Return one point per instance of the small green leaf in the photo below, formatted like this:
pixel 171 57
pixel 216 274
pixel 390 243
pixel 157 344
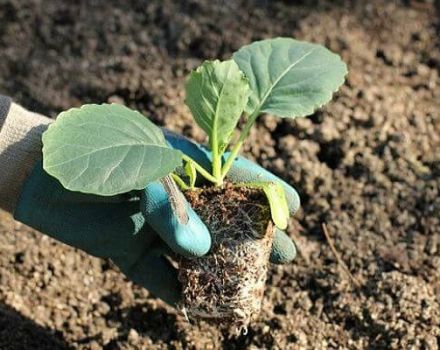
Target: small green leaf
pixel 289 78
pixel 217 93
pixel 190 171
pixel 106 150
pixel 276 197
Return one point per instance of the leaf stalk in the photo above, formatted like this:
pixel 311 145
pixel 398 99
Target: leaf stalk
pixel 179 181
pixel 236 149
pixel 216 160
pixel 200 169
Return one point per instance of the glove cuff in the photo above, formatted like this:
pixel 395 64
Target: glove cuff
pixel 20 148
pixel 5 103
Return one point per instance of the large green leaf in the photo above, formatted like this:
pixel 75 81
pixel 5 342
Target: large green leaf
pixel 217 93
pixel 289 78
pixel 106 150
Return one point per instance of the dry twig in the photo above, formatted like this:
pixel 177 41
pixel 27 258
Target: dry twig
pixel 338 257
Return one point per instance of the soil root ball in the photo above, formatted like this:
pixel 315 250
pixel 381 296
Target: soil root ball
pixel 227 285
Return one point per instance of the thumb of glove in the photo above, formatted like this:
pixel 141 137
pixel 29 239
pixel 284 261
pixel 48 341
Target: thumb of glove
pixel 191 239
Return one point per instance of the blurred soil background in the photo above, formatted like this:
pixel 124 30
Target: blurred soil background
pixel 368 165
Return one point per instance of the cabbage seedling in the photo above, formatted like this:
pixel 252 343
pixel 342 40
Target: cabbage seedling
pixel 109 149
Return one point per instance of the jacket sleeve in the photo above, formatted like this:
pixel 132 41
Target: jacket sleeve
pixel 20 148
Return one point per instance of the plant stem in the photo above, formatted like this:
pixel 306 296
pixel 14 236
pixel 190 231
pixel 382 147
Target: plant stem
pixel 200 169
pixel 180 182
pixel 216 160
pixel 244 133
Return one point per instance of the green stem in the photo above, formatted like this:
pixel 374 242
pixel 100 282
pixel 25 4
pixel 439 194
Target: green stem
pixel 244 133
pixel 180 182
pixel 200 169
pixel 216 160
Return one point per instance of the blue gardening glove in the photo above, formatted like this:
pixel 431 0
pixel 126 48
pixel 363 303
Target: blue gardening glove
pixel 135 240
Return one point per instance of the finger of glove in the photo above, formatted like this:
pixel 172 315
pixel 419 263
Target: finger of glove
pixel 197 152
pixel 283 248
pixel 191 239
pixel 153 272
pixel 244 170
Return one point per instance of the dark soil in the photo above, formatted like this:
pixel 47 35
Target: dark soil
pixel 226 286
pixel 368 165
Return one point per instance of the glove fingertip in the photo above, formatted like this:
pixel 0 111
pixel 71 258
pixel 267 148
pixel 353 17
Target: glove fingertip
pixel 192 239
pixel 283 249
pixel 292 196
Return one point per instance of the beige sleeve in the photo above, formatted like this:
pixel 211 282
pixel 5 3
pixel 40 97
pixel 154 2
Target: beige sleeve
pixel 20 148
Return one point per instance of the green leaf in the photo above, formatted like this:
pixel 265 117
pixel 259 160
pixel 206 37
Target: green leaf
pixel 217 93
pixel 289 78
pixel 276 197
pixel 106 150
pixel 190 171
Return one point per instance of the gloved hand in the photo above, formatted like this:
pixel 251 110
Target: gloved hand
pixel 134 230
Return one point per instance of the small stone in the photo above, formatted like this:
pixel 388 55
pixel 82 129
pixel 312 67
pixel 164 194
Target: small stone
pixel 116 99
pixel 133 336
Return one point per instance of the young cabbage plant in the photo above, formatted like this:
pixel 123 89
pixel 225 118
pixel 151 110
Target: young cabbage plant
pixel 109 149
